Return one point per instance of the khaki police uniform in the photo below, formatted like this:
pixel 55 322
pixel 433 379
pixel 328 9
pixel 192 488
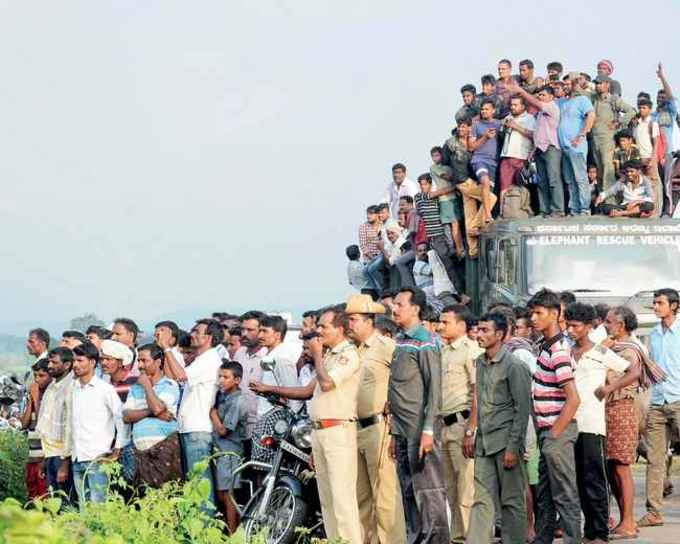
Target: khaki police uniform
pixel 378 492
pixel 334 447
pixel 458 378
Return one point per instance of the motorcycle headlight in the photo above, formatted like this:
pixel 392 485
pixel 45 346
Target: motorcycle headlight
pixel 302 434
pixel 280 427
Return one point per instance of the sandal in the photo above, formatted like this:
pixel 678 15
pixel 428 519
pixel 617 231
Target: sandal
pixel 623 536
pixel 650 520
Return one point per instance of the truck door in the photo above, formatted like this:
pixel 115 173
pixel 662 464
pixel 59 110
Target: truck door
pixel 502 273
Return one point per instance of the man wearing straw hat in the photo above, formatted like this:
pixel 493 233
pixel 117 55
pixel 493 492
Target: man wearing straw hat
pixel 378 493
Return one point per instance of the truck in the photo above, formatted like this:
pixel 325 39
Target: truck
pixel 616 261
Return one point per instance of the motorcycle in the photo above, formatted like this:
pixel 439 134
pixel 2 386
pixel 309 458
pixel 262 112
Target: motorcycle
pixel 288 497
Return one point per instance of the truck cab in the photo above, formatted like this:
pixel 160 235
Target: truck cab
pixel 599 259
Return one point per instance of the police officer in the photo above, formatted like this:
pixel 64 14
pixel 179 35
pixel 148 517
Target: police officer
pixel 459 414
pixel 380 507
pixel 333 411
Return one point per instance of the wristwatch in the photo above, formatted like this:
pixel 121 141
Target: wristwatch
pixel 470 432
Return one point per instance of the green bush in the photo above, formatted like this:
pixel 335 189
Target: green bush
pixel 13 457
pixel 167 515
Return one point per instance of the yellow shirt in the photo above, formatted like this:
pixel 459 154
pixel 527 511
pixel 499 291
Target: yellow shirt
pixel 342 364
pixel 458 374
pixel 376 357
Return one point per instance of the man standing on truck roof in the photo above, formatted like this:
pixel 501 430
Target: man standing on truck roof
pixel 611 114
pixel 555 402
pixel 666 115
pixel 548 152
pixel 665 404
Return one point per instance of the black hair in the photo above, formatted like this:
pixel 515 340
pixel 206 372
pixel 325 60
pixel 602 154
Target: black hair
pixel 437 149
pixel 425 177
pixel 174 329
pixel 601 311
pixel 154 350
pixel 386 326
pixel 213 328
pixel 505 61
pixel 644 102
pixel 252 314
pixel 73 334
pixel 340 319
pixel 520 98
pixel 87 349
pixel 101 332
pixel 42 335
pixel 235 330
pixel 429 314
pixel 522 312
pixel 672 296
pixel 183 339
pixel 309 335
pixel 40 365
pixel 418 298
pixel 65 354
pixel 276 323
pixel 623 133
pixel 372 209
pixel 487 101
pixel 528 63
pixel 499 320
pixel 353 252
pixel 398 166
pixel 636 164
pixel 232 366
pixel 472 322
pixel 388 293
pixel 382 206
pixel 468 88
pixel 465 120
pixel 129 326
pixel 547 299
pixel 408 198
pixel 488 79
pixel 509 314
pixel 644 95
pixel 557 66
pixel 579 311
pixel 627 316
pixel 567 297
pixel 547 89
pixel 461 311
pixel 313 314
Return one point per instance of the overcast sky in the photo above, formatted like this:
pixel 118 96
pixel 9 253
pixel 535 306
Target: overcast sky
pixel 173 158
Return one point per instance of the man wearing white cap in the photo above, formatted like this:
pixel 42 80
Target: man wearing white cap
pixel 116 360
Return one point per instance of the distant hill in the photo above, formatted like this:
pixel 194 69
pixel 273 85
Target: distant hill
pixel 13 355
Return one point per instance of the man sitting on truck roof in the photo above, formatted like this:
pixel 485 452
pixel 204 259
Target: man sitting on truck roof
pixel 638 195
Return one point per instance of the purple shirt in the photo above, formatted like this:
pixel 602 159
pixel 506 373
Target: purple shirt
pixel 547 122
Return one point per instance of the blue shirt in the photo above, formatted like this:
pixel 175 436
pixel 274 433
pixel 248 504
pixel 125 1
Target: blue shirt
pixel 573 112
pixel 149 431
pixel 489 149
pixel 666 119
pixel 665 351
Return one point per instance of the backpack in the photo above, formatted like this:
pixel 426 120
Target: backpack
pixel 516 203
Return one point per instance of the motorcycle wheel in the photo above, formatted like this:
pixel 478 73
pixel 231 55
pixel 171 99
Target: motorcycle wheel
pixel 286 512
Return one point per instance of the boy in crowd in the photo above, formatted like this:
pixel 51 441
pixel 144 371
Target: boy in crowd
pixel 36 484
pixel 484 144
pixel 646 133
pixel 555 401
pixel 355 270
pixel 428 210
pixel 626 150
pixel 229 416
pixel 593 184
pixel 470 107
pixel 442 176
pixel 637 191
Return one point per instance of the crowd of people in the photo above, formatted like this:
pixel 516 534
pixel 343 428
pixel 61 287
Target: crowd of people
pixel 525 146
pixel 521 421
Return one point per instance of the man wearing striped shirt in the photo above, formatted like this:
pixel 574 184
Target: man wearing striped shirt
pixel 428 211
pixel 555 402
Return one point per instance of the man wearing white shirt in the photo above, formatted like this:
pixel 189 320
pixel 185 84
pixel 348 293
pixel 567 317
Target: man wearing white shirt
pixel 37 343
pixel 97 429
pixel 400 186
pixel 249 356
pixel 272 333
pixel 200 388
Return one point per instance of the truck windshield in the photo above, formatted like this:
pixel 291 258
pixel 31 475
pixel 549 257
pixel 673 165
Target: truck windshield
pixel 616 265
